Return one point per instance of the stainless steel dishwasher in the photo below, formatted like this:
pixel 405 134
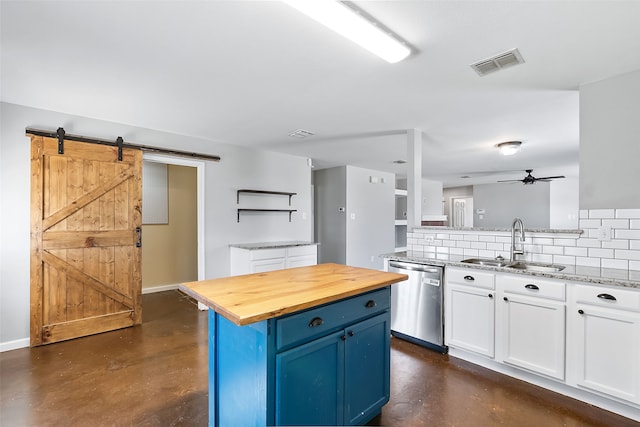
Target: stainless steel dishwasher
pixel 416 304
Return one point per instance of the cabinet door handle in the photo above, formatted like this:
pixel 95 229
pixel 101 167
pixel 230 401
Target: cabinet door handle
pixel 343 337
pixel 490 295
pixel 469 278
pixel 580 311
pixel 370 304
pixel 506 299
pixel 607 297
pixel 316 321
pixel 350 333
pixel 532 287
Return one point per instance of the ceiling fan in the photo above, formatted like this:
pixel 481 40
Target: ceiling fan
pixel 530 179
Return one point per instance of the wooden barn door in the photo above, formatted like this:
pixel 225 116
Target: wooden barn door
pixel 85 225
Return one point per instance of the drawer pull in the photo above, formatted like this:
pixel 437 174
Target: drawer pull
pixel 607 297
pixel 316 321
pixel 532 287
pixel 370 304
pixel 469 278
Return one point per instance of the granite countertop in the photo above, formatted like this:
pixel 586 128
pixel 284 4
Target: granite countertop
pixel 255 297
pixel 271 245
pixel 595 275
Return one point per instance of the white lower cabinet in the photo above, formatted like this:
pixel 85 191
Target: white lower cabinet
pixel 531 324
pixel 604 349
pixel 470 310
pixel 260 260
pixel 580 336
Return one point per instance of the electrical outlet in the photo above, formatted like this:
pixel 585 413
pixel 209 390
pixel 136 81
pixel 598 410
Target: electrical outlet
pixel 604 233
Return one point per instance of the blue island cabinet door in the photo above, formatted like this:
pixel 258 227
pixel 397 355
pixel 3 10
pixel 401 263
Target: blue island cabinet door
pixel 367 369
pixel 309 383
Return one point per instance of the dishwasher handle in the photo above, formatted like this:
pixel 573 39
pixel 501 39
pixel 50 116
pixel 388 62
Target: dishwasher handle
pixel 415 267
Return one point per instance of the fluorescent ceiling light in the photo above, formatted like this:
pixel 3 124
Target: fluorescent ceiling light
pixel 347 22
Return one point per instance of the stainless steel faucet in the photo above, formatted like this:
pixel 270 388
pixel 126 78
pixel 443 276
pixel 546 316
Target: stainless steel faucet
pixel 514 251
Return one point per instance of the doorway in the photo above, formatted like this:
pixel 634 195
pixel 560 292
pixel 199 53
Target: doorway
pixel 163 237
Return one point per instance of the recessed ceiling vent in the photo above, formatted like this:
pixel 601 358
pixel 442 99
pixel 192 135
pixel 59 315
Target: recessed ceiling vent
pixel 498 62
pixel 301 133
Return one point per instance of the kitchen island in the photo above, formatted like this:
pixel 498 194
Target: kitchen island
pixel 301 346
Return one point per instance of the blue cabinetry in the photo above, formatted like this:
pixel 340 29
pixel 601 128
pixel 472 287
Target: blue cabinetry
pixel 328 365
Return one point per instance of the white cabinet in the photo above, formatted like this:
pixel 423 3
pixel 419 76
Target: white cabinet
pixel 604 349
pixel 470 310
pixel 531 324
pixel 260 260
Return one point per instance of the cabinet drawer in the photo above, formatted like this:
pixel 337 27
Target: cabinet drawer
pixel 608 297
pixel 268 254
pixel 301 250
pixel 309 324
pixel 532 286
pixel 471 277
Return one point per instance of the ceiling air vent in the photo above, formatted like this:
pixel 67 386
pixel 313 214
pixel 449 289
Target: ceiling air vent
pixel 498 62
pixel 301 133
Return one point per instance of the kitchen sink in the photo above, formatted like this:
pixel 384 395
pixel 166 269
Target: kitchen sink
pixel 535 266
pixel 518 265
pixel 486 261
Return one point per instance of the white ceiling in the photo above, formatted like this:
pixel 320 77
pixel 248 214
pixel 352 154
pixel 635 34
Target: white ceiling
pixel 249 73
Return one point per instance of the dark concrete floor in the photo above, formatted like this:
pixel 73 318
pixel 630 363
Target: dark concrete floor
pixel 156 375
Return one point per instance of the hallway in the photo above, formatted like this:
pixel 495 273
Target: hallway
pixel 156 375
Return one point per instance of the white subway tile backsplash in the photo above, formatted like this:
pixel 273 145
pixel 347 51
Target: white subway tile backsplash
pixel 616 244
pixel 576 251
pixel 564 260
pixel 615 263
pixel 602 213
pixel 553 250
pixel 564 242
pixel 628 213
pixel 630 255
pixel 616 223
pixel 600 253
pixel 588 243
pixel 588 262
pixel 622 251
pixel 627 234
pixel 590 223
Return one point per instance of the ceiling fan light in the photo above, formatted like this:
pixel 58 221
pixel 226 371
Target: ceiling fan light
pixel 509 148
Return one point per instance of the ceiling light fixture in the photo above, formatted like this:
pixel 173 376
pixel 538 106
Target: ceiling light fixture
pixel 347 22
pixel 509 148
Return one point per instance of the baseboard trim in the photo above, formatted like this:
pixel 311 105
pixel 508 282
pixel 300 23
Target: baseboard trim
pixel 14 345
pixel 161 288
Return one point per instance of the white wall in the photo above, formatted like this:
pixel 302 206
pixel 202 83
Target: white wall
pixel 564 203
pixel 610 143
pixel 370 217
pixel 239 168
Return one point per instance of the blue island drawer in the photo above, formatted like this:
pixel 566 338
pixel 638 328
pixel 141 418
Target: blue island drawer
pixel 307 325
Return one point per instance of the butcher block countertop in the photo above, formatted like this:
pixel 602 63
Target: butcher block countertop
pixel 252 298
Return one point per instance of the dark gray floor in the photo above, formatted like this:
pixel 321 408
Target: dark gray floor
pixel 156 375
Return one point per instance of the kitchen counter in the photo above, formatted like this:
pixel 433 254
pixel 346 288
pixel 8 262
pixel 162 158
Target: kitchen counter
pixel 603 276
pixel 299 346
pixel 271 245
pixel 252 298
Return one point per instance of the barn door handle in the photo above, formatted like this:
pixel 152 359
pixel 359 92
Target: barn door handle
pixel 139 239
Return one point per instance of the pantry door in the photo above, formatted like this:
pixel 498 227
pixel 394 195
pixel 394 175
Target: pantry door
pixel 85 239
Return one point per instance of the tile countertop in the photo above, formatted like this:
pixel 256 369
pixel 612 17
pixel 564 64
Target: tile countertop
pixel 595 275
pixel 270 245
